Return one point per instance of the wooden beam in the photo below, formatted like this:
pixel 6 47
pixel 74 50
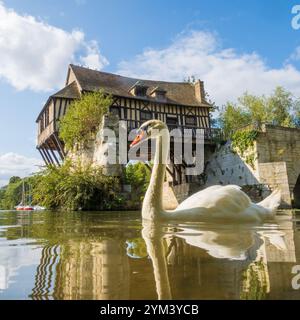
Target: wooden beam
pixel 148 167
pixel 60 145
pixel 45 155
pixel 49 155
pixel 53 154
pixel 58 148
pixel 170 172
pixel 44 158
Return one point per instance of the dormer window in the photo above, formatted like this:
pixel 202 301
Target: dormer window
pixel 158 93
pixel 139 89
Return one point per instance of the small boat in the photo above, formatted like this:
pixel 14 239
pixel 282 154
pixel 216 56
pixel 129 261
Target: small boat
pixel 22 206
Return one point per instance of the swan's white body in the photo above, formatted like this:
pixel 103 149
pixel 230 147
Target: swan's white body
pixel 216 202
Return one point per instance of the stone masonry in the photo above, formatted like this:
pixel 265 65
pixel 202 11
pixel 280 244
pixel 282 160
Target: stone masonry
pixel 276 165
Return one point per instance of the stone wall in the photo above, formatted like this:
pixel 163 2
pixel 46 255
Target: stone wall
pixel 274 175
pixel 278 144
pixel 95 151
pixel 277 164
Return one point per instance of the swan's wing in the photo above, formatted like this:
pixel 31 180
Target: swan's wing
pixel 223 199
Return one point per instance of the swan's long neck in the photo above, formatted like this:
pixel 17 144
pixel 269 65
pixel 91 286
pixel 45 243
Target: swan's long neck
pixel 152 205
pixel 153 237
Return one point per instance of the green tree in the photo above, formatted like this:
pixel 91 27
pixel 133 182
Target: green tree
pixel 233 117
pixel 280 108
pixel 83 118
pixel 2 194
pixel 14 179
pixel 11 195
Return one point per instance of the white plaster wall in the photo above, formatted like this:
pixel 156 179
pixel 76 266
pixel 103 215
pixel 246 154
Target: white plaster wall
pixel 226 167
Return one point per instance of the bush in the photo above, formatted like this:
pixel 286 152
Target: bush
pixel 138 176
pixel 77 187
pixel 83 119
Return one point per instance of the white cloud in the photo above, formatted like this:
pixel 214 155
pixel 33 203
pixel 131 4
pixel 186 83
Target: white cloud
pixel 12 164
pixel 226 73
pixel 34 55
pixel 295 55
pixel 93 59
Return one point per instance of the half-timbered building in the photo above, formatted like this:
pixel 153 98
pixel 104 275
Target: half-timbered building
pixel 179 104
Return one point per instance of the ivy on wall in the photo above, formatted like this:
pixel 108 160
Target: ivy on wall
pixel 242 142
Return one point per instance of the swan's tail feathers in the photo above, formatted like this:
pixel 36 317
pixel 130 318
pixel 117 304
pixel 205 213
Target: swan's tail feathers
pixel 272 202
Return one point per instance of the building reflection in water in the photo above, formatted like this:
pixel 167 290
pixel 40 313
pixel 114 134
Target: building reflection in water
pixel 46 271
pixel 83 270
pixel 178 262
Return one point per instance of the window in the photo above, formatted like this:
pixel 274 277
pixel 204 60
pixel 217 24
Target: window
pixel 160 95
pixel 172 121
pixel 141 91
pixel 190 120
pixel 145 115
pixel 115 111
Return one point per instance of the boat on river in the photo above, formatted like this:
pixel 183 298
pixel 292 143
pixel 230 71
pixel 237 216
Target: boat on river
pixel 27 207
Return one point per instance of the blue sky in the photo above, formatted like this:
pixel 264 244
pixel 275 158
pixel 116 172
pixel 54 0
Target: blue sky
pixel 232 45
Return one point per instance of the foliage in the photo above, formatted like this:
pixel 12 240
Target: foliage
pixel 11 195
pixel 280 108
pixel 242 142
pixel 138 176
pixel 14 179
pixel 2 195
pixel 232 118
pixel 77 187
pixel 82 120
pixel 255 282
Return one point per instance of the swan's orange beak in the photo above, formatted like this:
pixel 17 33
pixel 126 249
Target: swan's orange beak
pixel 137 139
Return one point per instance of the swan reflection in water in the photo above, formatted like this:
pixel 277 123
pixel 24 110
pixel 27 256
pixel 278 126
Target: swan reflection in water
pixel 247 246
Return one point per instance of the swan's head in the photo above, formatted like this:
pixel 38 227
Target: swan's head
pixel 149 129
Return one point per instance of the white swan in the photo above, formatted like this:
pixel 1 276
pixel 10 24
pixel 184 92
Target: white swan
pixel 216 202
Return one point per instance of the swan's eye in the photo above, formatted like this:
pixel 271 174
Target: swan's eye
pixel 145 129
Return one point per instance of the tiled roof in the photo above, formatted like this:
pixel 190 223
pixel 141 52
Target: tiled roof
pixel 182 93
pixel 70 91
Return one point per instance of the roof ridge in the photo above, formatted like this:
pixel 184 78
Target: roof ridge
pixel 181 93
pixel 131 78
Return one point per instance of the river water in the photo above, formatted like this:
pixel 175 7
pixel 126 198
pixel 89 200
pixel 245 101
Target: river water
pixel 113 255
